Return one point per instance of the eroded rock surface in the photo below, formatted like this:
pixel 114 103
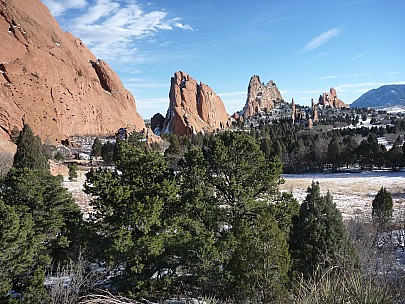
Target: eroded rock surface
pixel 193 107
pixel 331 99
pixel 260 97
pixel 51 80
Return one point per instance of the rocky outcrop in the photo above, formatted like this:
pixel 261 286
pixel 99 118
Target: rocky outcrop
pixel 331 99
pixel 260 97
pixel 193 107
pixel 156 123
pixel 50 79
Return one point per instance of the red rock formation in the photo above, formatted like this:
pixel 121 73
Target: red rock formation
pixel 315 113
pixel 193 107
pixel 52 81
pixel 293 110
pixel 260 97
pixel 331 99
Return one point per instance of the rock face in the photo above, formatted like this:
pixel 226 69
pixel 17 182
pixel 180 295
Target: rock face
pixel 193 108
pixel 331 99
pixel 50 79
pixel 260 97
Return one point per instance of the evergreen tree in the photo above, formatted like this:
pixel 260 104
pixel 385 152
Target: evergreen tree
pixel 261 261
pixel 382 207
pixel 72 171
pixel 245 184
pixel 334 151
pixel 30 153
pixel 133 209
pixel 197 222
pixel 318 233
pixel 96 147
pixel 107 152
pixel 395 156
pixel 19 248
pixel 173 153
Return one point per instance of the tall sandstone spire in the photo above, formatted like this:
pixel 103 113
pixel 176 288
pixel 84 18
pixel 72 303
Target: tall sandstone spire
pixel 51 80
pixel 193 107
pixel 260 97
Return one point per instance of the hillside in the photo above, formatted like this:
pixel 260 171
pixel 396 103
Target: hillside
pixel 51 80
pixel 383 97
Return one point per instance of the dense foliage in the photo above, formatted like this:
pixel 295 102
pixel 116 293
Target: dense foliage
pixel 204 218
pixel 30 153
pixel 382 207
pixel 318 233
pixel 39 222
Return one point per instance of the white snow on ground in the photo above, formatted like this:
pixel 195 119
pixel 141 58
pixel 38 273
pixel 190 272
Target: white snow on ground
pixel 353 193
pixel 76 188
pixel 395 109
pixel 384 141
pixel 366 124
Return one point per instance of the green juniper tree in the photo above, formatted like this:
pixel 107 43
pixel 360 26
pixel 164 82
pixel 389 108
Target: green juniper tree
pixel 19 248
pixel 245 184
pixel 43 215
pixel 96 147
pixel 133 209
pixel 72 171
pixel 382 207
pixel 30 152
pixel 318 233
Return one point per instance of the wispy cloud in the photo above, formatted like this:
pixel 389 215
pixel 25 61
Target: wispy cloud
pixel 363 86
pixel 329 77
pixel 111 28
pixel 344 76
pixel 183 26
pixel 358 56
pixel 323 38
pixel 59 7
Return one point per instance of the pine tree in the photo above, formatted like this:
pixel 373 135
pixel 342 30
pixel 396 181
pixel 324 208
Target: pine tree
pixel 30 153
pixel 18 245
pixel 245 184
pixel 382 207
pixel 334 151
pixel 72 171
pixel 261 261
pixel 96 147
pixel 132 209
pixel 318 233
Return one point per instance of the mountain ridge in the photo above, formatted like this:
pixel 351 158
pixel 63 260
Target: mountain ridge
pixel 385 96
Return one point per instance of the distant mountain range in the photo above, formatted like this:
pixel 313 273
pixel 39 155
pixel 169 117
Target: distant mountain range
pixel 384 97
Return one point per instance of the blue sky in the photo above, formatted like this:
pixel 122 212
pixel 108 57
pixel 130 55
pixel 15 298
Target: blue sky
pixel 306 47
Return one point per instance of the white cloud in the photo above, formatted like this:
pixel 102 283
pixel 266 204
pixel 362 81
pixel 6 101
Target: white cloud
pixel 183 26
pixel 110 28
pixel 358 56
pixel 344 76
pixel 323 38
pixel 329 77
pixel 363 86
pixel 59 7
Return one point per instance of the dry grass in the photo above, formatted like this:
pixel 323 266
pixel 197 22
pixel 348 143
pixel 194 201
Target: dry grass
pixel 352 193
